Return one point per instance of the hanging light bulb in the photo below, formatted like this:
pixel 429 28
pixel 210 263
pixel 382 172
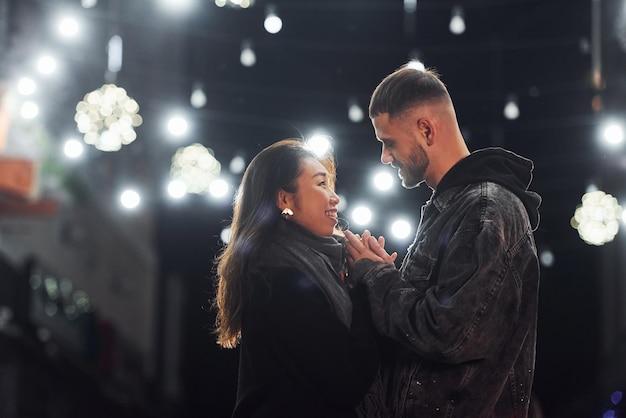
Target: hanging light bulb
pixel 114 64
pixel 416 65
pixel 247 57
pixel 355 112
pixel 613 133
pixel 457 22
pixel 198 98
pixel 511 109
pixel 273 24
pixel 410 6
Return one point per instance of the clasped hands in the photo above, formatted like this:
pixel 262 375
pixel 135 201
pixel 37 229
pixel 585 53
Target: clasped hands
pixel 367 246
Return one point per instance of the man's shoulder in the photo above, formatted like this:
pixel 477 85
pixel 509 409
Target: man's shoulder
pixel 479 193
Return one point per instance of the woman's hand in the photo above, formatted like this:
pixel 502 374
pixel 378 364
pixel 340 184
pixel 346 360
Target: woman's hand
pixel 366 246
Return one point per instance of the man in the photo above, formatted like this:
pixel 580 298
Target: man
pixel 462 309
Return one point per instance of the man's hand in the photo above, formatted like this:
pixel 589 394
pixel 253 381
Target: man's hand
pixel 367 247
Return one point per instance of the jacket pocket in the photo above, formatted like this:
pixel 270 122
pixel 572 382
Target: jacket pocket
pixel 418 270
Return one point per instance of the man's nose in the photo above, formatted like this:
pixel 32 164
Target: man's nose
pixel 386 157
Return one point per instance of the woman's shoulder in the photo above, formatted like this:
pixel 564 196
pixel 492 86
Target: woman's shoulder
pixel 275 283
pixel 286 277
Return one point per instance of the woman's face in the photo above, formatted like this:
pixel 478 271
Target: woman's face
pixel 314 204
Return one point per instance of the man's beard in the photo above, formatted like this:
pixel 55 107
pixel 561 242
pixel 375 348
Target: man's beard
pixel 415 168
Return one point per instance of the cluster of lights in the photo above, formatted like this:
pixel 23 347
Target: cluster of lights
pixel 597 218
pixel 194 168
pixel 244 4
pixel 60 296
pixel 107 117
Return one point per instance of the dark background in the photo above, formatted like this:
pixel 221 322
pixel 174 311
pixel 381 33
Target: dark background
pixel 333 51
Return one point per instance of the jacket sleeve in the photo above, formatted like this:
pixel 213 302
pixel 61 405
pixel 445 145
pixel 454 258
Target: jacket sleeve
pixel 314 344
pixel 473 306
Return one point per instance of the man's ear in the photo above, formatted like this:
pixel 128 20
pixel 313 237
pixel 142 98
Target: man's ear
pixel 426 128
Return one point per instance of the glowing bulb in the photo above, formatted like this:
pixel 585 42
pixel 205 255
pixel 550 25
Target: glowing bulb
pixel 247 57
pixel 29 110
pixel 273 24
pixel 46 65
pixel 130 199
pixel 177 126
pixel 218 188
pixel 319 144
pixel 198 98
pixel 613 134
pixel 546 257
pixel 355 113
pixel 361 215
pixel 176 189
pixel 225 235
pixel 26 86
pixel 237 165
pixel 511 110
pixel 401 229
pixel 73 148
pixel 68 27
pixel 416 65
pixel 383 180
pixel 457 23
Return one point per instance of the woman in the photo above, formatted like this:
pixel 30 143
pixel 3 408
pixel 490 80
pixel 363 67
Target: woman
pixel 307 345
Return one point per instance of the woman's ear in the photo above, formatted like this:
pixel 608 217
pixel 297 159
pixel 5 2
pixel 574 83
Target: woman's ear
pixel 282 200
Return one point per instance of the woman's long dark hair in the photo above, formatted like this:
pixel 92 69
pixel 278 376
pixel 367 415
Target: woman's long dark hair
pixel 255 215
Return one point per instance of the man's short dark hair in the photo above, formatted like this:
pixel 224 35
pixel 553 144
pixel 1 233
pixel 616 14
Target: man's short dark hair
pixel 406 88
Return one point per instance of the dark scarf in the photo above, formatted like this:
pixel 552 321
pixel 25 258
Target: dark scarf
pixel 321 258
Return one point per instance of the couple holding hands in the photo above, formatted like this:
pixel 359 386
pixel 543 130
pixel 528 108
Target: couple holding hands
pixel 330 327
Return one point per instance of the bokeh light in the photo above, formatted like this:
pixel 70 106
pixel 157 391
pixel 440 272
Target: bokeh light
pixel 108 117
pixel 362 215
pixel 597 217
pixel 401 229
pixel 73 148
pixel 130 199
pixel 319 144
pixel 196 167
pixel 383 180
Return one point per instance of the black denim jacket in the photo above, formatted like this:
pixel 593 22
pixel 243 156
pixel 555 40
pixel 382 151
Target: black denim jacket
pixel 463 307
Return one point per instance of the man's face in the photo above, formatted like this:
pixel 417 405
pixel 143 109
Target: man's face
pixel 401 148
